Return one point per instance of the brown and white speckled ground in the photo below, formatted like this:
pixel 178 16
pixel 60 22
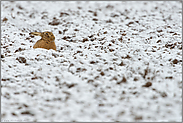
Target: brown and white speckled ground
pixel 115 61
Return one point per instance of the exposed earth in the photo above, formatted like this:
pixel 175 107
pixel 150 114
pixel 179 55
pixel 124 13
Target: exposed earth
pixel 114 61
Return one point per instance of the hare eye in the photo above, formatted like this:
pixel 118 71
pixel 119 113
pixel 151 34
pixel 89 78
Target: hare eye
pixel 46 33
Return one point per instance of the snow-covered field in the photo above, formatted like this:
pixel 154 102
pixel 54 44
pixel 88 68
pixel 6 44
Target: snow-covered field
pixel 115 61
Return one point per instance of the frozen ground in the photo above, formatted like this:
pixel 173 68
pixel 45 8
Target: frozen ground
pixel 115 61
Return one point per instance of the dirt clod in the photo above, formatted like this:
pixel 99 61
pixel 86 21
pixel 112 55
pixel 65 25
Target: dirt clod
pixel 148 84
pixel 21 59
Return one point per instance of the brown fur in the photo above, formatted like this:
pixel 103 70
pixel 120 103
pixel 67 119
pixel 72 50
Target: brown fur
pixel 46 41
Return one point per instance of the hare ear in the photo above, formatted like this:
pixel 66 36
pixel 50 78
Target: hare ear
pixel 35 33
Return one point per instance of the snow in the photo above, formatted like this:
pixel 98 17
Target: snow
pixel 115 61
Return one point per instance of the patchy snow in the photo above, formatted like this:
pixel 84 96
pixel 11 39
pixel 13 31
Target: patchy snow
pixel 115 61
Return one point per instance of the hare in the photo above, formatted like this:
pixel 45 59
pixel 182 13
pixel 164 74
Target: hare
pixel 46 41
